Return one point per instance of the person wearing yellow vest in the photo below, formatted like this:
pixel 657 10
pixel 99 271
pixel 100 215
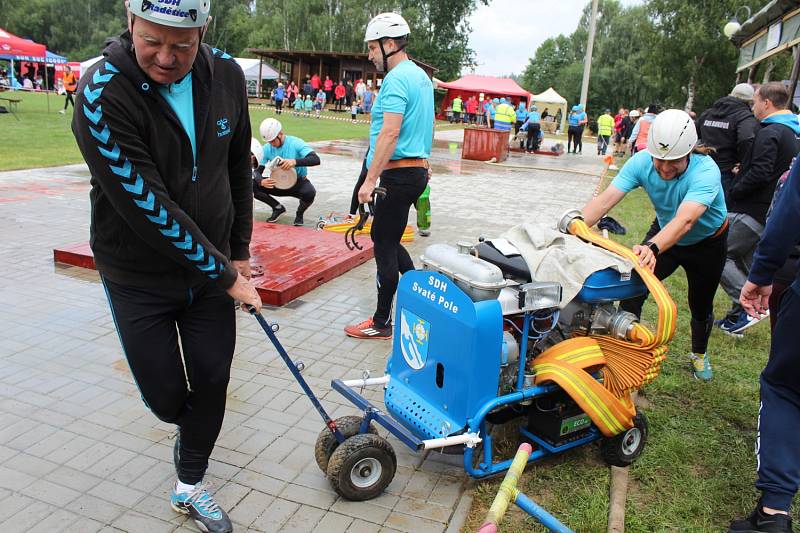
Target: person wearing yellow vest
pixel 70 86
pixel 504 117
pixel 457 104
pixel 605 127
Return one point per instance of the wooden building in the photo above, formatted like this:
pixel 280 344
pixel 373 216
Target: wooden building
pixel 295 65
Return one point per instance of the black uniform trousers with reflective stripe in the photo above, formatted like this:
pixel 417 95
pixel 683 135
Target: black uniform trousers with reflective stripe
pixel 150 323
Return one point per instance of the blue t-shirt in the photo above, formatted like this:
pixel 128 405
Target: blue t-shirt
pixel 292 148
pixel 179 97
pixel 522 113
pixel 534 117
pixel 280 93
pixel 408 91
pixel 576 118
pixel 700 183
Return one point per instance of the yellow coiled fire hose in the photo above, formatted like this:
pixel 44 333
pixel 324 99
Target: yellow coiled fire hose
pixel 627 365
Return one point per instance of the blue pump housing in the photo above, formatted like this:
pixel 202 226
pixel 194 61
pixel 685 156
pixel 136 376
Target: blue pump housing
pixel 446 352
pixel 605 286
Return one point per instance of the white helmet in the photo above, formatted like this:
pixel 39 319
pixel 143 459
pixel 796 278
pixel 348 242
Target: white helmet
pixel 633 114
pixel 183 14
pixel 672 135
pixel 255 148
pixel 269 129
pixel 386 25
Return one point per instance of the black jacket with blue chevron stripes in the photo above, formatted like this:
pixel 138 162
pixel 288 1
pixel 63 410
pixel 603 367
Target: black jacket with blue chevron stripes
pixel 160 219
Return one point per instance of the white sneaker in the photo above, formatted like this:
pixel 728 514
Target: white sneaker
pixel 62 112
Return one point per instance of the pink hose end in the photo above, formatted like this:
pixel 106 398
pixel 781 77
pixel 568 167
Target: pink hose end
pixel 488 527
pixel 527 447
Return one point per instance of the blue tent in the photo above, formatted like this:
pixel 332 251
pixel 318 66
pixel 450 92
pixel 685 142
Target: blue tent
pixel 54 59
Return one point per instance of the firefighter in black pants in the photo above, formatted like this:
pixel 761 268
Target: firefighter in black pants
pixel 401 135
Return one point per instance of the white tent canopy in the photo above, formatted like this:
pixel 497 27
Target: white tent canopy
pixel 550 98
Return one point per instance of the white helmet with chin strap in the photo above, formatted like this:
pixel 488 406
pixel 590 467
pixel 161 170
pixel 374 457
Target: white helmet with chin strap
pixel 181 14
pixel 387 26
pixel 269 129
pixel 672 135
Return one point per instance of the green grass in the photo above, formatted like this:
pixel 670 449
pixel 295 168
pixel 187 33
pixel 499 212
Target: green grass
pixel 697 471
pixel 43 139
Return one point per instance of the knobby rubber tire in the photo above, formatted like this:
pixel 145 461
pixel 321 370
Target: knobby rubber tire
pixel 365 446
pixel 327 443
pixel 612 449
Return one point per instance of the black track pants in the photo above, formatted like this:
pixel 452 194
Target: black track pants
pixel 150 323
pixel 403 187
pixel 703 263
pixel 303 190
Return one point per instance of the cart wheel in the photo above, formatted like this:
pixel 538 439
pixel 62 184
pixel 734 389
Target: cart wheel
pixel 362 467
pixel 321 225
pixel 327 443
pixel 624 448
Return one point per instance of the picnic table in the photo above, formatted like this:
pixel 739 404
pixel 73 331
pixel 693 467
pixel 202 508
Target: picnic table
pixel 13 103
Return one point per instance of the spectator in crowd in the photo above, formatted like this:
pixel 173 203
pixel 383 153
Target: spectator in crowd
pixel 308 90
pixel 279 95
pixel 577 120
pixel 774 146
pixel 521 116
pixel 605 127
pixel 641 130
pixel 70 86
pixel 327 86
pixel 339 94
pixel 315 83
pixel 457 105
pixel 619 129
pixel 291 93
pixel 728 126
pixel 319 102
pixel 308 105
pixel 471 106
pixel 534 128
pixel 298 105
pixel 349 93
pixel 361 89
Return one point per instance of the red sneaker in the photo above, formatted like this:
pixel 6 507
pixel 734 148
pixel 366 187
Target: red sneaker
pixel 368 330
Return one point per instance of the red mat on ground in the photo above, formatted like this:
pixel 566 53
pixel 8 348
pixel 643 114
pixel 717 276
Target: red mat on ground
pixel 294 260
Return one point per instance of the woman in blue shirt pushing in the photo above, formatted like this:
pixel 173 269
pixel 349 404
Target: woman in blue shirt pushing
pixel 691 225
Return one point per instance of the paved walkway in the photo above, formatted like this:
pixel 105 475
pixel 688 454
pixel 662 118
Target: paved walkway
pixel 80 452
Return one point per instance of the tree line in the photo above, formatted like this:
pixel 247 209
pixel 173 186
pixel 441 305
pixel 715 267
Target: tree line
pixel 666 52
pixel 78 30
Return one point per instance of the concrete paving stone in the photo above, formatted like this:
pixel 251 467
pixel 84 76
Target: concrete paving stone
pixel 116 493
pixel 250 507
pixel 333 523
pixel 33 466
pixel 130 470
pixel 60 520
pixel 264 465
pixel 11 502
pixel 158 475
pixel 278 512
pixel 363 526
pixel 27 518
pixel 91 456
pixel 231 457
pixel 230 494
pixel 304 520
pixel 413 524
pixel 20 427
pixel 127 441
pixel 96 508
pixel 6 454
pixel 322 499
pixel 85 525
pixel 364 510
pixel 111 463
pixel 158 507
pixel 420 485
pixel 74 479
pixel 49 492
pixel 447 491
pixel 423 509
pixel 260 482
pixel 133 521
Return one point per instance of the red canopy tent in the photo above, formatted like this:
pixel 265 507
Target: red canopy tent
pixel 19 49
pixel 490 86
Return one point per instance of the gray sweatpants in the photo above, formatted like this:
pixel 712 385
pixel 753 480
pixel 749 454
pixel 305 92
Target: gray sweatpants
pixel 743 234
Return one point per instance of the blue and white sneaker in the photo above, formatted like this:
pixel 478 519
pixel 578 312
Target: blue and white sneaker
pixel 736 327
pixel 205 512
pixel 726 325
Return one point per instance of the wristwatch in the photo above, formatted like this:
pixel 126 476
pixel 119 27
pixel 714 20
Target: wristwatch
pixel 653 246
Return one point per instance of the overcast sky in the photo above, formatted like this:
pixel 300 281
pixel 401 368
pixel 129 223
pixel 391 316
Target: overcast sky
pixel 507 32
